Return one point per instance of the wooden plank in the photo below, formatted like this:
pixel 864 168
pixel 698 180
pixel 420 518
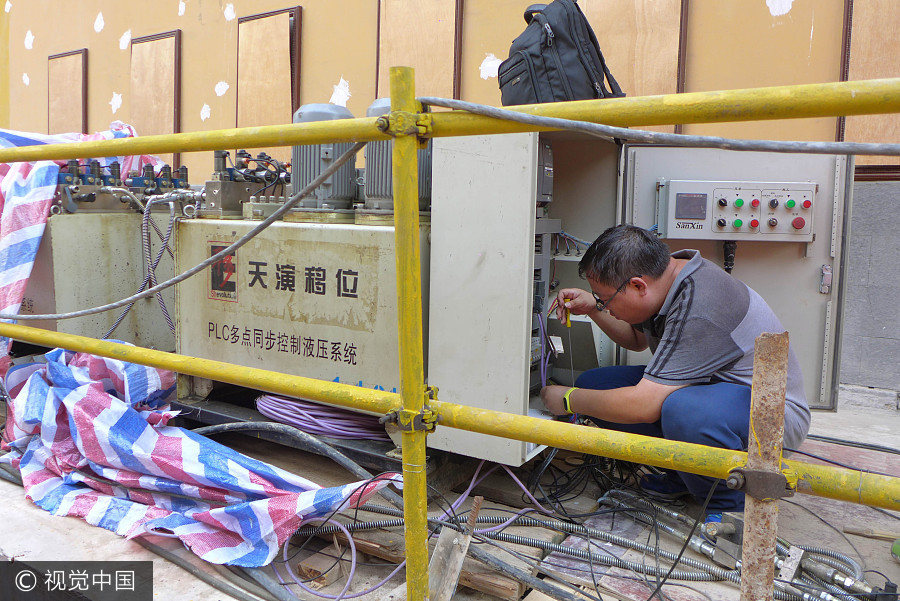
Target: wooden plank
pixel 870 60
pixel 264 78
pixel 67 92
pixel 447 559
pixel 390 546
pixel 419 35
pixel 154 86
pixel 639 40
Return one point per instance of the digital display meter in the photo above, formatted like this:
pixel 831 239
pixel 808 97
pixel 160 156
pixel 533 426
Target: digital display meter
pixel 690 205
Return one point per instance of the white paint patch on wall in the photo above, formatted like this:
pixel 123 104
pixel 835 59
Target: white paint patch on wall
pixel 779 7
pixel 341 93
pixel 98 23
pixel 29 40
pixel 116 102
pixel 8 6
pixel 205 112
pixel 229 12
pixel 489 66
pixel 812 29
pixel 181 7
pixel 221 88
pixel 25 79
pixel 125 40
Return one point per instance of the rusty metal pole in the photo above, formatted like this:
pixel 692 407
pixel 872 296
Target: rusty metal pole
pixel 770 362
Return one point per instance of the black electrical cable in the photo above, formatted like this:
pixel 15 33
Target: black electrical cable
pixel 730 249
pixel 274 588
pixel 529 580
pixel 9 476
pixel 214 581
pixel 238 579
pixel 308 443
pixel 853 443
pixel 833 527
pixel 685 545
pixel 839 464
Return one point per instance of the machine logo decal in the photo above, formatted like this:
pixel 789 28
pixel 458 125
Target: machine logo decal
pixel 223 274
pixel 686 225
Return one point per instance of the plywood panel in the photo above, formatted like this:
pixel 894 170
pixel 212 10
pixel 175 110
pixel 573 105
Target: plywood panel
pixel 733 45
pixel 639 40
pixel 489 27
pixel 874 54
pixel 419 35
pixel 155 86
pixel 67 92
pixel 264 77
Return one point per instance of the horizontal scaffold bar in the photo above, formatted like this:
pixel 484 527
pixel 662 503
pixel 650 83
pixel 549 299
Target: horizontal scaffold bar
pixel 782 102
pixel 345 395
pixel 844 484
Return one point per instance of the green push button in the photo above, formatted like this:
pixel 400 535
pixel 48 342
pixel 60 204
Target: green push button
pixel 739 202
pixel 790 204
pixel 738 223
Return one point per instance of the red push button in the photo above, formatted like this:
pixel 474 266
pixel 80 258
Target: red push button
pixel 807 204
pixel 754 203
pixel 799 223
pixel 754 223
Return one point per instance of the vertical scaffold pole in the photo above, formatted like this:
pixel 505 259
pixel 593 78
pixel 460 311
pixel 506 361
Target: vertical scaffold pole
pixel 409 306
pixel 770 364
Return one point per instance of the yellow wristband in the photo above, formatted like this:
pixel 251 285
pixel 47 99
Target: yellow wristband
pixel 567 403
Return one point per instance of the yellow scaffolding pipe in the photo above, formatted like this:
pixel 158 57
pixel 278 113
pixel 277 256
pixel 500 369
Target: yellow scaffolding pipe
pixel 409 308
pixel 843 484
pixel 344 395
pixel 757 104
pixel 781 102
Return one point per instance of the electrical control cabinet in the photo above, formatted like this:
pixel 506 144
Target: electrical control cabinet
pixel 497 260
pixel 794 253
pixel 713 210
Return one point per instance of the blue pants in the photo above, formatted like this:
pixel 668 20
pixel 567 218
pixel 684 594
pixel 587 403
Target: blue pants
pixel 715 415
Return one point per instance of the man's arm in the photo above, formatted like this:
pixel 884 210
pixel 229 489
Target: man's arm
pixel 640 404
pixel 581 302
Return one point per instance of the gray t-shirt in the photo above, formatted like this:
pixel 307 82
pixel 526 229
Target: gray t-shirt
pixel 705 332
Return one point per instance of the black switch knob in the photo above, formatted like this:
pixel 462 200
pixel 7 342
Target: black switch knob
pixel 723 202
pixel 721 223
pixel 773 203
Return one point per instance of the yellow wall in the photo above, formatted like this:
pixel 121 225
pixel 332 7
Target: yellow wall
pixel 335 43
pixel 729 44
pixel 4 71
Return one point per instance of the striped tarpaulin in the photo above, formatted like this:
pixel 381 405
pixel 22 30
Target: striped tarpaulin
pixel 26 193
pixel 90 438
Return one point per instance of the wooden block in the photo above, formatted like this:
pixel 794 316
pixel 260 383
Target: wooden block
pixel 320 570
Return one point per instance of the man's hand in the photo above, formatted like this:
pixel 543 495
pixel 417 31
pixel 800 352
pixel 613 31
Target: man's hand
pixel 552 396
pixel 581 302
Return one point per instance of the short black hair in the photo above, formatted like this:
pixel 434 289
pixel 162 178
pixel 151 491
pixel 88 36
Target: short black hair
pixel 623 252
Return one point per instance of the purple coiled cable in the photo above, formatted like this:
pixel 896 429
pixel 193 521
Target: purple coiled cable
pixel 321 420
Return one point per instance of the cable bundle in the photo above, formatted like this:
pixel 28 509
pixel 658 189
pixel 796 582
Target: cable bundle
pixel 320 420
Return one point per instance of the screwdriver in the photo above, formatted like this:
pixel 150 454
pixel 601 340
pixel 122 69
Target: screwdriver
pixel 569 330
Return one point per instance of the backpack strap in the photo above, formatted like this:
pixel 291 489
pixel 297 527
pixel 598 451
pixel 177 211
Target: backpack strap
pixel 531 10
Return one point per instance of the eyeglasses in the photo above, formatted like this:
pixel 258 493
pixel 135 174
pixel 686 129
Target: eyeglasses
pixel 601 305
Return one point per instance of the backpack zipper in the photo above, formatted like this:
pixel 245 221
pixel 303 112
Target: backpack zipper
pixel 585 60
pixel 559 67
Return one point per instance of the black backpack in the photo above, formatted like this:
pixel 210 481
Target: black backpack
pixel 556 58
